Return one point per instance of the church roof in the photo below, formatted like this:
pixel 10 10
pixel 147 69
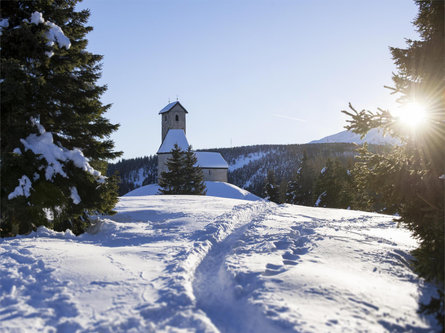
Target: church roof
pixel 210 160
pixel 174 136
pixel 170 106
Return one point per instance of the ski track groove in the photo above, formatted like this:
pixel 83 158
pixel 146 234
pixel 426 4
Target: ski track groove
pixel 215 289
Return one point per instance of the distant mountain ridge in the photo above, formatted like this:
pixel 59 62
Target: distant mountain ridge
pixel 374 136
pixel 248 165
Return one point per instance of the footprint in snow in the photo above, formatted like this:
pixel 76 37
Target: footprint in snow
pixel 283 244
pixel 290 256
pixel 272 269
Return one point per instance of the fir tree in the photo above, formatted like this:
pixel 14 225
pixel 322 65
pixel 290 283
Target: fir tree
pixel 332 186
pixel 299 190
pixel 183 175
pixel 271 189
pixel 173 180
pixel 54 138
pixel 194 178
pixel 410 177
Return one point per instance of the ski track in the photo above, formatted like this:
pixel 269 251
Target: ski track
pixel 218 295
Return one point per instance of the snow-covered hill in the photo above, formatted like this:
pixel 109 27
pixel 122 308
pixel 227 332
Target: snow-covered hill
pixel 374 136
pixel 214 189
pixel 209 264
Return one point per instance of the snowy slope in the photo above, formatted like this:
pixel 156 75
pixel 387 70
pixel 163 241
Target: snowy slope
pixel 374 136
pixel 246 159
pixel 214 189
pixel 208 264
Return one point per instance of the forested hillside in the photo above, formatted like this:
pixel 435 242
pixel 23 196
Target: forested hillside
pixel 249 167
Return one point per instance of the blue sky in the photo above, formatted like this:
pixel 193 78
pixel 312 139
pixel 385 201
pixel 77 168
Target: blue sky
pixel 248 72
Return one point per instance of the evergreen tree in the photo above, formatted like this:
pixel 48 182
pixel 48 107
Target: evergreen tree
pixel 53 133
pixel 194 177
pixel 271 189
pixel 299 190
pixel 410 177
pixel 173 180
pixel 332 185
pixel 183 175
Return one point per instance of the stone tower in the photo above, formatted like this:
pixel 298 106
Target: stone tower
pixel 173 117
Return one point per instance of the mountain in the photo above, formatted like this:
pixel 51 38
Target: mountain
pixel 248 165
pixel 374 136
pixel 180 263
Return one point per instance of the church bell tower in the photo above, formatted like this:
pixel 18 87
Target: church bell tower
pixel 172 117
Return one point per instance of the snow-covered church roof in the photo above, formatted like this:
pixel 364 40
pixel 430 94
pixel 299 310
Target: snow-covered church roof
pixel 170 106
pixel 174 136
pixel 211 160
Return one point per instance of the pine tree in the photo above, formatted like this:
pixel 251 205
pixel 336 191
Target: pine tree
pixel 271 189
pixel 53 133
pixel 410 177
pixel 183 175
pixel 332 186
pixel 173 180
pixel 194 177
pixel 299 191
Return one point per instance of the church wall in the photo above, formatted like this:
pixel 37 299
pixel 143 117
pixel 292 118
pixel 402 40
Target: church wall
pixel 162 163
pixel 215 175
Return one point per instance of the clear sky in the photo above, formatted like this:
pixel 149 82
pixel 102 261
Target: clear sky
pixel 250 71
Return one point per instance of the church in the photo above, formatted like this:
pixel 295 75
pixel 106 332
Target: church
pixel 173 119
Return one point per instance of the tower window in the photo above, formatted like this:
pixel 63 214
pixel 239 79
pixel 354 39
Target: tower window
pixel 165 117
pixel 177 118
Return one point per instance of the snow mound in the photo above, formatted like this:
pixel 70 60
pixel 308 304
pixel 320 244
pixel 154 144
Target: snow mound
pixel 214 189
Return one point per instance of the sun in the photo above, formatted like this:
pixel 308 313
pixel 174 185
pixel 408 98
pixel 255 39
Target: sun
pixel 412 114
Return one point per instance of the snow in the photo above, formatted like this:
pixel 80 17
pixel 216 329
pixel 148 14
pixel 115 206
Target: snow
pixel 317 203
pixel 210 160
pixel 44 146
pixel 208 264
pixel 323 170
pixel 374 136
pixel 244 160
pixel 23 189
pixel 442 177
pixel 75 196
pixel 174 136
pixel 54 34
pixel 37 18
pixel 214 189
pixel 4 23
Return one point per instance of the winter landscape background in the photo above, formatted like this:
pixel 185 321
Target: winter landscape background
pixel 339 234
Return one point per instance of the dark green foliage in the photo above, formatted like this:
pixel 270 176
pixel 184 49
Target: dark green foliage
pixel 333 186
pixel 173 181
pixel 299 190
pixel 194 178
pixel 182 177
pixel 407 179
pixel 59 93
pixel 272 189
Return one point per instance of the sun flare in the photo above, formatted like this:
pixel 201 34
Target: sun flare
pixel 411 114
